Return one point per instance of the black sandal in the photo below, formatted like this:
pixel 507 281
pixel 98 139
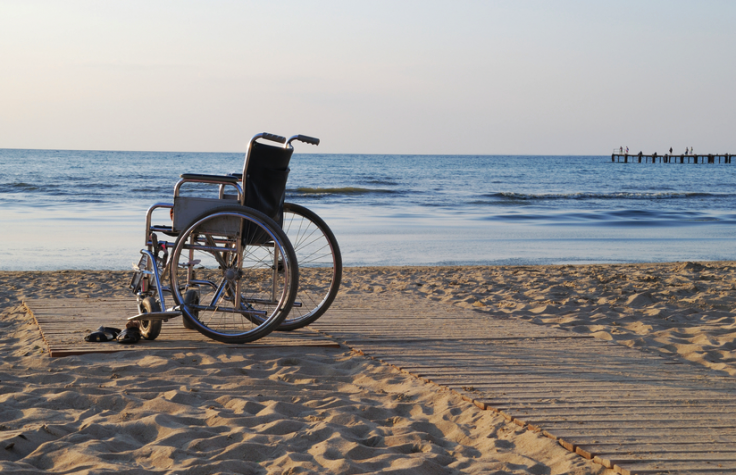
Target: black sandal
pixel 129 336
pixel 102 334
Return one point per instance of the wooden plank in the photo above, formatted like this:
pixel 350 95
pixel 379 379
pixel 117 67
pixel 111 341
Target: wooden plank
pixel 640 427
pixel 633 467
pixel 64 322
pixel 545 379
pixel 672 445
pixel 611 432
pixel 56 352
pixel 511 345
pixel 630 411
pixel 419 340
pixel 626 441
pixel 656 453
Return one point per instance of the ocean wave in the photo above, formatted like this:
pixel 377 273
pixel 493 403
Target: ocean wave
pixel 345 190
pixel 664 195
pixel 617 218
pixel 378 181
pixel 17 187
pixel 151 189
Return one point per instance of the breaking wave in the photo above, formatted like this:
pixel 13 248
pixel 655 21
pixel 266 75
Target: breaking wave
pixel 601 196
pixel 346 190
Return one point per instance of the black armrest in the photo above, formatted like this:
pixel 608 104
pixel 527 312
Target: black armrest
pixel 210 178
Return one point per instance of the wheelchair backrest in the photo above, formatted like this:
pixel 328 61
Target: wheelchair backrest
pixel 264 182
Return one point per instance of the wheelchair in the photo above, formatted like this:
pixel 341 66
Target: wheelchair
pixel 243 262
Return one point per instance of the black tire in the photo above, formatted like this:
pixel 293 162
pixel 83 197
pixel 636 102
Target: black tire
pixel 190 298
pixel 150 329
pixel 320 265
pixel 243 267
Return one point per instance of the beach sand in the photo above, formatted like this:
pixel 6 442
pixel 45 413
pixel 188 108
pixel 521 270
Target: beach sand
pixel 321 410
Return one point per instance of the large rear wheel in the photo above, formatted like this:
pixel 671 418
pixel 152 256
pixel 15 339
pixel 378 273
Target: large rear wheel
pixel 243 269
pixel 320 265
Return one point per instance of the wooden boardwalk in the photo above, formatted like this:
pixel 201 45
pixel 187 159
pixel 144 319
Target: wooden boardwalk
pixel 629 410
pixel 65 322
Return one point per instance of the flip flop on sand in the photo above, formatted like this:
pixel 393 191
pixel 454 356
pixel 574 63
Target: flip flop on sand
pixel 102 334
pixel 131 334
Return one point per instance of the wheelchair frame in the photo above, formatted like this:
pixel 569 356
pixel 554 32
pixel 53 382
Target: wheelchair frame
pixel 217 227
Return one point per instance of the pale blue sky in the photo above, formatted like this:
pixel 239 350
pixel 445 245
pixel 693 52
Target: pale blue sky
pixel 505 77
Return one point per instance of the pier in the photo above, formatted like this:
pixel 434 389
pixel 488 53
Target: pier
pixel 666 158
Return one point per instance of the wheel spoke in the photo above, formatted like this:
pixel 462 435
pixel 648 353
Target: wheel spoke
pixel 240 307
pixel 320 264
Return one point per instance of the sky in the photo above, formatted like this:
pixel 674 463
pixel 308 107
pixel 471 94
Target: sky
pixel 390 77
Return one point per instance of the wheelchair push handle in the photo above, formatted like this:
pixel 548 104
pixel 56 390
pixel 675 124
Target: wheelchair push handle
pixel 303 138
pixel 271 137
pixel 280 139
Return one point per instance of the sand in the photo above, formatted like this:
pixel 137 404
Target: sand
pixel 322 410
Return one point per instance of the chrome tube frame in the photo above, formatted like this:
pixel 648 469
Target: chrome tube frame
pixel 149 214
pixel 275 271
pixel 239 264
pixel 218 294
pixel 154 272
pixel 262 301
pixel 177 187
pixel 196 282
pixel 195 247
pixel 230 310
pixel 190 265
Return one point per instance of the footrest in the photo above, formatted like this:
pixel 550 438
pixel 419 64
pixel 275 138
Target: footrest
pixel 153 316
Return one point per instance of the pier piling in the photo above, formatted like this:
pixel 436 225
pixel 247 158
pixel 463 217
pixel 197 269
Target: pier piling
pixel 725 158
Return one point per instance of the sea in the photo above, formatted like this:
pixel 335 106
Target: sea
pixel 65 209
